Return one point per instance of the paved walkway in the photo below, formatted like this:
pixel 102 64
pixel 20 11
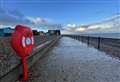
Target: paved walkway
pixel 73 61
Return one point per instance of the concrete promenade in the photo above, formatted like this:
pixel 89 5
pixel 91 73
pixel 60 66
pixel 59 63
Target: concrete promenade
pixel 73 61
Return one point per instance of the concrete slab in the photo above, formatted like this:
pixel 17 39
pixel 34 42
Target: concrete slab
pixel 73 61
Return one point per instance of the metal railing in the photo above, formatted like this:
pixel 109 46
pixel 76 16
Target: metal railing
pixel 108 45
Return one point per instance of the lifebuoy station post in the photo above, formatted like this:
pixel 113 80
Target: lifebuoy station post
pixel 22 42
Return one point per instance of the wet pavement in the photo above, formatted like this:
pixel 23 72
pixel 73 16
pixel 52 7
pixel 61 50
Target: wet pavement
pixel 73 61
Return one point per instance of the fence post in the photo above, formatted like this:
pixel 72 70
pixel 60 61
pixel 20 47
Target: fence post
pixel 88 40
pixel 81 39
pixel 99 42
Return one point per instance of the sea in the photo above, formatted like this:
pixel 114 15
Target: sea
pixel 104 35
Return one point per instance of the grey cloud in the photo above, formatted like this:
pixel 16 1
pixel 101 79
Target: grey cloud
pixel 8 17
pixel 13 17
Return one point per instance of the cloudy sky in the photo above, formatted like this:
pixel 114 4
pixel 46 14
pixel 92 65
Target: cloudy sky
pixel 66 12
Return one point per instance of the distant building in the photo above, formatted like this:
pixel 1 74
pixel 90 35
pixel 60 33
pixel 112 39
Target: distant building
pixel 41 33
pixel 35 32
pixel 6 31
pixel 54 32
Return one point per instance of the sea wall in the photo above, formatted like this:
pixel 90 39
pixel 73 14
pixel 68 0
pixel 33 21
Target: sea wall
pixel 10 65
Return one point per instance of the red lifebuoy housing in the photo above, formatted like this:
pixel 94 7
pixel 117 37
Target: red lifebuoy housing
pixel 22 42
